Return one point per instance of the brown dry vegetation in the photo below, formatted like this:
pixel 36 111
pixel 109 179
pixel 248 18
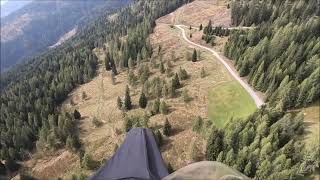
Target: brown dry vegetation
pixel 177 149
pixel 312 123
pixel 200 12
pixel 100 103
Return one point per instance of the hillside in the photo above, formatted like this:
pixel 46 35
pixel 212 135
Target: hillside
pixel 59 71
pixel 8 7
pixel 32 29
pixel 215 80
pixel 101 103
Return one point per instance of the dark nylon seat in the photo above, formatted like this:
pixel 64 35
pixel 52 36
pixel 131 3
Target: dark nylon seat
pixel 137 158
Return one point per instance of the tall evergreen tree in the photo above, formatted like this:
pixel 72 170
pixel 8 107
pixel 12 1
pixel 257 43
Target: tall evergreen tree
pixel 175 82
pixel 107 62
pixel 143 101
pixel 167 128
pixel 76 114
pixel 127 99
pixel 194 56
pixel 158 138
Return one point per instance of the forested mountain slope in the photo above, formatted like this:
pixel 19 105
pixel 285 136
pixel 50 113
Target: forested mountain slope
pixel 280 57
pixel 33 28
pixel 31 92
pixel 8 7
pixel 149 78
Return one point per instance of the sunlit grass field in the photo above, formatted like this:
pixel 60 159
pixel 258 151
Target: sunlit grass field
pixel 229 100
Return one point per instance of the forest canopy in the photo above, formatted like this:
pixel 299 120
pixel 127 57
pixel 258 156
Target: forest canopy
pixel 32 92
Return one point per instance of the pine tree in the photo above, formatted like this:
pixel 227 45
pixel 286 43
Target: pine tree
pixel 139 58
pixel 107 61
pixel 170 168
pixel 264 169
pixel 175 82
pixel 96 122
pixel 143 101
pixel 201 27
pixel 83 95
pixel 132 78
pixel 130 63
pixel 114 69
pixel 248 169
pixel 167 128
pixel 156 106
pixel 76 114
pixel 159 138
pixel 119 103
pixel 194 56
pixel 127 99
pixel 214 145
pixel 198 124
pixel 172 89
pixel 69 143
pixel 88 162
pixel 162 70
pixel 220 157
pixel 127 125
pixel 165 90
pixel 230 157
pixel 185 96
pixel 163 108
pixel 183 75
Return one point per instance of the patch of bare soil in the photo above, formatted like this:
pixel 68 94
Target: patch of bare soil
pixel 65 37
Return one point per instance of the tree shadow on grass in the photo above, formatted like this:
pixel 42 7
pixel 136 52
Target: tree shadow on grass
pixel 167 144
pixel 175 131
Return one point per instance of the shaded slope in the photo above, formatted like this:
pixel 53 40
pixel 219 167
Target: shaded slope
pixel 36 26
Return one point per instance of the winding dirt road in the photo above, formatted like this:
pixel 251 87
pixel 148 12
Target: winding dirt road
pixel 230 28
pixel 258 101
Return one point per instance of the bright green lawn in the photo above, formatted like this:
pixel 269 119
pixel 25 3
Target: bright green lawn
pixel 229 100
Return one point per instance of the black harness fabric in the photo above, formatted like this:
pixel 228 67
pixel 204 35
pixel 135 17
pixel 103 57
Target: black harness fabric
pixel 137 158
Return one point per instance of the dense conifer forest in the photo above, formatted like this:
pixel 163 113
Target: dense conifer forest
pixel 32 92
pixel 47 21
pixel 280 57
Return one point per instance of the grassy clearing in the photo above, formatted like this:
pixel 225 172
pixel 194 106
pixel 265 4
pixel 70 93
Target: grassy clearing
pixel 229 100
pixel 311 120
pixel 312 131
